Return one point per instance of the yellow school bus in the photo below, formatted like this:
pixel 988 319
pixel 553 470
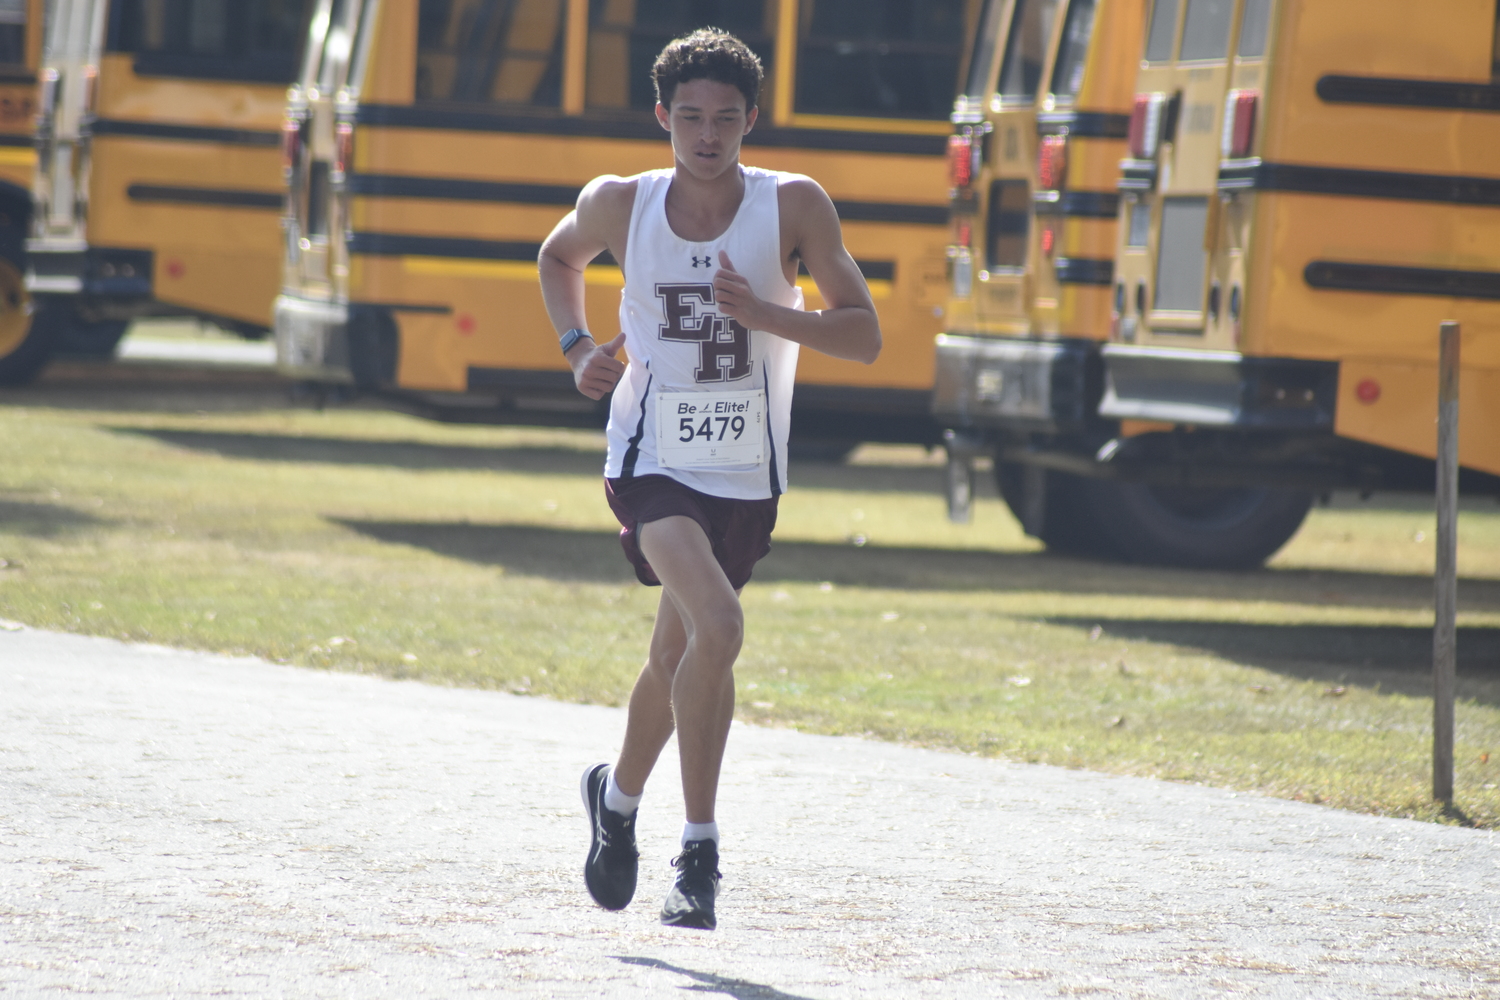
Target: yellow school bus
pixel 20 49
pixel 1302 205
pixel 437 142
pixel 1305 204
pixel 158 187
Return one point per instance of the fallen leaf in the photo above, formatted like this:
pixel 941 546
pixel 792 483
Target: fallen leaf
pixel 1337 691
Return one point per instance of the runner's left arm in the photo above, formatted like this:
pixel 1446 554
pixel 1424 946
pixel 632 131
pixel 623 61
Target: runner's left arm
pixel 849 327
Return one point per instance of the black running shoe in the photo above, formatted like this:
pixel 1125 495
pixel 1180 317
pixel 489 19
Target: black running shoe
pixel 691 901
pixel 611 865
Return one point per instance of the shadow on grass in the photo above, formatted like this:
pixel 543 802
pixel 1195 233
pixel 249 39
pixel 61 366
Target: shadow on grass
pixel 1397 658
pixel 708 982
pixel 42 520
pixel 593 555
pixel 552 461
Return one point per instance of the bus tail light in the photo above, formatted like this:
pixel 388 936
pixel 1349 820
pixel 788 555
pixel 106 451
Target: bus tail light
pixel 1052 162
pixel 961 160
pixel 343 148
pixel 963 232
pixel 292 139
pixel 1239 123
pixel 1145 125
pixel 90 90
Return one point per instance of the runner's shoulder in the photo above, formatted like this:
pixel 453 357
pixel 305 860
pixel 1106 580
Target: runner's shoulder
pixel 799 196
pixel 608 197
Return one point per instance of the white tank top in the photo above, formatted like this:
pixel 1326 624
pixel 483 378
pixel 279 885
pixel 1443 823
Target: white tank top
pixel 679 343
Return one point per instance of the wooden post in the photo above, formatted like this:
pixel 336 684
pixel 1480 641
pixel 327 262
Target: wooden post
pixel 1445 630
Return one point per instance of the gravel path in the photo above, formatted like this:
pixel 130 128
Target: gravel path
pixel 177 824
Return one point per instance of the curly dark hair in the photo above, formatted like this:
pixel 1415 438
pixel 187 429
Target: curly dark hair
pixel 708 53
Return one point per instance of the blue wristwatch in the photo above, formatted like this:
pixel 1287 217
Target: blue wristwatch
pixel 572 337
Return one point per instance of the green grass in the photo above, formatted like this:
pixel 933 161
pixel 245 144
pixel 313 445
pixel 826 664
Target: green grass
pixel 368 541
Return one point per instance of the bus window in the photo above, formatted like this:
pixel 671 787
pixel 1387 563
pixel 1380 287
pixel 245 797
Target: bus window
pixel 1026 49
pixel 1206 33
pixel 1181 261
pixel 626 36
pixel 252 40
pixel 1067 78
pixel 13 35
pixel 1009 224
pixel 1255 28
pixel 1495 60
pixel 984 49
pixel 1163 31
pixel 490 51
pixel 880 58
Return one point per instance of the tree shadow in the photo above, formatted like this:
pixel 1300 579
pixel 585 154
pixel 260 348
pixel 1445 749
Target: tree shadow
pixel 42 520
pixel 590 555
pixel 419 455
pixel 1396 658
pixel 708 982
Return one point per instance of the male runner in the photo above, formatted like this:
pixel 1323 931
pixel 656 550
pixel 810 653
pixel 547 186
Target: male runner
pixel 712 319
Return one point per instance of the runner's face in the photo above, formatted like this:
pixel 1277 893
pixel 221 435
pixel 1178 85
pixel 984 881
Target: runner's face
pixel 707 121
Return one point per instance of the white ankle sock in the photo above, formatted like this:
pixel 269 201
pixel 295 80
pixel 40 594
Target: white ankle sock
pixel 700 831
pixel 617 801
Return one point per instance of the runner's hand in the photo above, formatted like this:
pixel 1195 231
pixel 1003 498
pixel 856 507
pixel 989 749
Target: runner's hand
pixel 596 370
pixel 735 298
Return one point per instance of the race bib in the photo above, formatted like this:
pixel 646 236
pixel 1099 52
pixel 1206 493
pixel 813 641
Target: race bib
pixel 696 430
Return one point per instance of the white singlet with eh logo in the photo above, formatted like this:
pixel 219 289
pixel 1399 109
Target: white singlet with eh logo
pixel 705 400
pixel 703 429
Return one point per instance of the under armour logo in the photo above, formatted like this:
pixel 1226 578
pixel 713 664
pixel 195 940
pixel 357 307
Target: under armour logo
pixel 703 261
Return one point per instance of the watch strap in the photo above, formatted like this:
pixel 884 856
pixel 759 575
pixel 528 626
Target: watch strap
pixel 572 337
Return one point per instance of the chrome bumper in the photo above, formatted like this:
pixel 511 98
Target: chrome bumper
pixel 312 339
pixel 1005 382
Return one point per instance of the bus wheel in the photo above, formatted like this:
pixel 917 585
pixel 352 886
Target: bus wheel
pixel 25 344
pixel 1054 508
pixel 97 339
pixel 1201 527
pixel 1191 527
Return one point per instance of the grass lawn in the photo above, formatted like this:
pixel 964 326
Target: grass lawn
pixel 362 540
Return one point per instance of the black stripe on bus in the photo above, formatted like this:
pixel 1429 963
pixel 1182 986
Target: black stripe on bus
pixel 204 196
pixel 184 133
pixel 1078 204
pixel 1258 176
pixel 411 307
pixel 403 245
pixel 1085 124
pixel 1084 271
pixel 24 139
pixel 1387 280
pixel 1392 92
pixel 638 127
pixel 454 189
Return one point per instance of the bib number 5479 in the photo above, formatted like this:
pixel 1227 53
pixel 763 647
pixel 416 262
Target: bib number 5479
pixel 706 429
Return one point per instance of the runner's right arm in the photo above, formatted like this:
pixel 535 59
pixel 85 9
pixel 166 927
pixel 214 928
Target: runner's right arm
pixel 598 223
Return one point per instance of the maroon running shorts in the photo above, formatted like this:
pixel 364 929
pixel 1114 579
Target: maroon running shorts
pixel 739 530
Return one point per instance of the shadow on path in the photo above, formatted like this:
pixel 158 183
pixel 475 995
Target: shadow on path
pixel 740 989
pixel 592 555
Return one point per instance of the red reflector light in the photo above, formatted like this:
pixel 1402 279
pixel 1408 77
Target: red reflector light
pixel 1145 125
pixel 963 233
pixel 1239 123
pixel 1368 391
pixel 1052 162
pixel 291 144
pixel 1049 240
pixel 343 147
pixel 960 160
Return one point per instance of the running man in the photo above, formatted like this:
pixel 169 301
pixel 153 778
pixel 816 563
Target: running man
pixel 711 318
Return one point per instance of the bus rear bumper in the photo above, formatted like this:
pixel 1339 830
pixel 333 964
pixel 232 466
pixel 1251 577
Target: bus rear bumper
pixel 1014 383
pixel 312 339
pixel 1218 389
